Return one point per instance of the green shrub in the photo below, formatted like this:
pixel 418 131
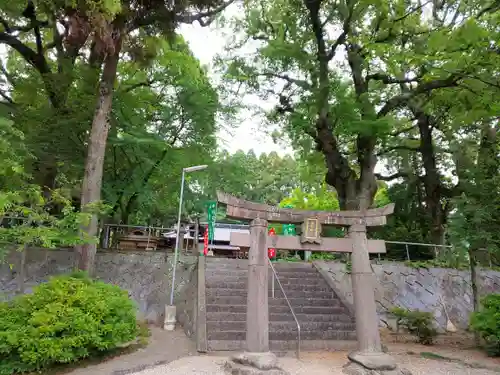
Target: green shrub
pixel 486 322
pixel 64 320
pixel 418 323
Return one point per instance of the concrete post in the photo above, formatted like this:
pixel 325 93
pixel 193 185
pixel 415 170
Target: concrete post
pixel 182 233
pixel 363 293
pixel 257 299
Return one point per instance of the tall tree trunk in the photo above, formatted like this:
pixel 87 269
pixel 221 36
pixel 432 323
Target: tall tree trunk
pixel 432 180
pixel 92 180
pixel 354 193
pixel 473 283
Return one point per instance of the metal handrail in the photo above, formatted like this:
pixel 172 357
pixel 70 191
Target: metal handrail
pixel 289 304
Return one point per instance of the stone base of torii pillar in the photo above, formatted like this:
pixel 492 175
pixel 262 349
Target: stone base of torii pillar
pixel 370 358
pixel 254 364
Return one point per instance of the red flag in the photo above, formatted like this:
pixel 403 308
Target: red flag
pixel 205 242
pixel 271 252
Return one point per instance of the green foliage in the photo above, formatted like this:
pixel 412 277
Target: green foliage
pixel 25 210
pixel 486 322
pixel 435 263
pixel 409 223
pixel 348 266
pixel 31 224
pixel 418 323
pixel 324 256
pixel 62 321
pixel 164 121
pixel 12 154
pixel 323 200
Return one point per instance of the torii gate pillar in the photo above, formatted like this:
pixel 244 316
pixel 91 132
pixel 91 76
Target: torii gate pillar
pixel 369 356
pixel 257 297
pixel 363 293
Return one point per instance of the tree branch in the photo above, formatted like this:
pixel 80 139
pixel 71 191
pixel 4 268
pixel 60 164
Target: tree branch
pixel 12 29
pixel 398 132
pixel 391 177
pixel 300 83
pixel 385 78
pixel 36 60
pixel 398 147
pixel 346 28
pixel 190 18
pixel 147 83
pixel 412 11
pixel 401 99
pixel 493 7
pixel 6 97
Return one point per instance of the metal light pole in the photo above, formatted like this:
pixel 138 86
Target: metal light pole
pixel 170 310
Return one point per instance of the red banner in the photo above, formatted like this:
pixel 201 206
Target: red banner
pixel 271 252
pixel 205 242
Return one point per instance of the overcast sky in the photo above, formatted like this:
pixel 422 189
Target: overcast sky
pixel 206 43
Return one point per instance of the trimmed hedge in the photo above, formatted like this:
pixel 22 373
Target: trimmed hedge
pixel 68 318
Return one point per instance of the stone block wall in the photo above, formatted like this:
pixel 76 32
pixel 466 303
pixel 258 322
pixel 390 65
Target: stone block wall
pixel 186 301
pixel 145 275
pixel 397 285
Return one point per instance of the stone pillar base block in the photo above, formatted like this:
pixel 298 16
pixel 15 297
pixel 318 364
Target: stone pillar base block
pixel 373 361
pixel 353 368
pixel 248 363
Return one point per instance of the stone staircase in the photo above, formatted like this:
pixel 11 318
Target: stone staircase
pixel 325 322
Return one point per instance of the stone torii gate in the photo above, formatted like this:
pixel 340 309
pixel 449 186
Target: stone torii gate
pixel 369 358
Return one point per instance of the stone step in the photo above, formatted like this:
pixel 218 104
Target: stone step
pixel 216 272
pixel 279 267
pixel 242 272
pixel 224 260
pixel 223 292
pixel 242 284
pixel 228 263
pixel 285 335
pixel 225 268
pixel 287 326
pixel 295 279
pixel 285 346
pixel 242 300
pixel 232 262
pixel 280 317
pixel 283 309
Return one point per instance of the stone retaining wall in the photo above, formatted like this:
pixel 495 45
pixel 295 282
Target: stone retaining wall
pixel 146 275
pixel 417 289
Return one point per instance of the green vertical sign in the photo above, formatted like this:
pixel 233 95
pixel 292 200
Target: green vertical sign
pixel 211 214
pixel 289 229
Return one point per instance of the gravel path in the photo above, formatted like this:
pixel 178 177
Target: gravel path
pixel 163 347
pixel 172 353
pixel 205 365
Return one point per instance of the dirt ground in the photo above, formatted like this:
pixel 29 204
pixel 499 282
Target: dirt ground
pixel 459 346
pixel 163 347
pixel 452 354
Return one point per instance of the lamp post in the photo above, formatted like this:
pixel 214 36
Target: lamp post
pixel 170 310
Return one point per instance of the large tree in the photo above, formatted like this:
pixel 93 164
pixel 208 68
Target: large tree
pixel 103 27
pixel 344 72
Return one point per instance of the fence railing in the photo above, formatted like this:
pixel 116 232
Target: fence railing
pixel 275 276
pixel 407 245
